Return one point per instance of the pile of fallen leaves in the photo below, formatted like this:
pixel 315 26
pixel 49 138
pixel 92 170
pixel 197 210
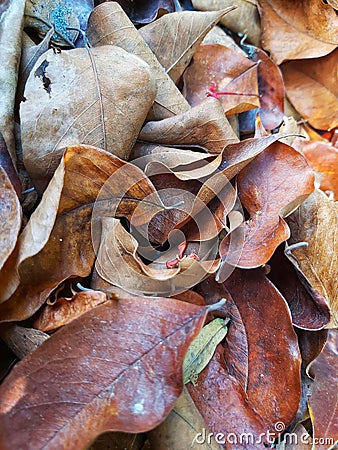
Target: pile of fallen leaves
pixel 168 180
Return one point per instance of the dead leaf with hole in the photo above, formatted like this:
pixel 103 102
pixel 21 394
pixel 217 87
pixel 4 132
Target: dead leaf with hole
pixel 182 33
pixel 11 26
pixel 204 125
pixel 296 30
pixel 312 87
pixel 117 367
pixel 58 241
pixel 239 389
pixel 98 97
pixel 181 428
pixel 64 310
pixel 108 24
pixel 228 71
pixel 244 19
pixel 273 185
pixel 316 223
pixel 323 401
pixel 10 217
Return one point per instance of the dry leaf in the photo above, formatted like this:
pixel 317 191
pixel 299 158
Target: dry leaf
pixel 59 240
pixel 21 340
pixel 64 310
pixel 182 33
pixel 10 217
pixel 270 187
pixel 108 24
pixel 296 30
pixel 228 71
pixel 312 87
pixel 98 96
pixel 217 35
pixel 117 367
pixel 204 125
pixel 145 12
pixel 244 20
pixel 316 222
pixel 11 25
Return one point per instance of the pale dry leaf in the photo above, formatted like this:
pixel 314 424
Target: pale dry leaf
pixel 316 222
pixel 108 24
pixel 182 33
pixel 218 36
pixel 98 97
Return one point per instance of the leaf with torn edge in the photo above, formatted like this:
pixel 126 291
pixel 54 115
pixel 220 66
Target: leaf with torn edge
pixel 182 33
pixel 117 367
pixel 98 97
pixel 202 349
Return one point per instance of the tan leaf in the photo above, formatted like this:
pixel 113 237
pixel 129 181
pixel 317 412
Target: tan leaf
pixel 204 125
pixel 316 222
pixel 296 30
pixel 97 96
pixel 10 217
pixel 182 33
pixel 312 87
pixel 11 25
pixel 21 340
pixel 108 24
pixel 229 72
pixel 57 243
pixel 217 35
pixel 245 19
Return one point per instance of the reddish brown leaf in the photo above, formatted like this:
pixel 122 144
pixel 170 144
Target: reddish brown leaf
pixel 295 30
pixel 323 401
pixel 229 71
pixel 10 217
pixel 240 388
pixel 270 187
pixel 312 87
pixel 117 367
pixel 64 310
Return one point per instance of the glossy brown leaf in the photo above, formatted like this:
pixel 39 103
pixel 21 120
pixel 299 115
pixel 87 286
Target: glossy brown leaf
pixel 315 222
pixel 270 187
pixel 182 32
pixel 101 98
pixel 323 401
pixel 311 86
pixel 64 310
pixel 10 217
pixel 11 25
pixel 296 30
pixel 108 24
pixel 56 243
pixel 229 71
pixel 239 390
pixel 117 367
pixel 244 20
pixel 204 125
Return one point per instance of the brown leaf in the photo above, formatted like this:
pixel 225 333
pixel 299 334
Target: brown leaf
pixel 315 222
pixel 311 345
pixel 117 367
pixel 270 187
pixel 244 20
pixel 296 30
pixel 311 86
pixel 58 241
pixel 229 71
pixel 204 125
pixel 239 390
pixel 323 401
pixel 21 340
pixel 10 217
pixel 101 99
pixel 182 32
pixel 181 428
pixel 11 25
pixel 108 24
pixel 310 312
pixel 118 441
pixel 64 310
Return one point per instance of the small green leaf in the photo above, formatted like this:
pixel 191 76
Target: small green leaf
pixel 202 349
